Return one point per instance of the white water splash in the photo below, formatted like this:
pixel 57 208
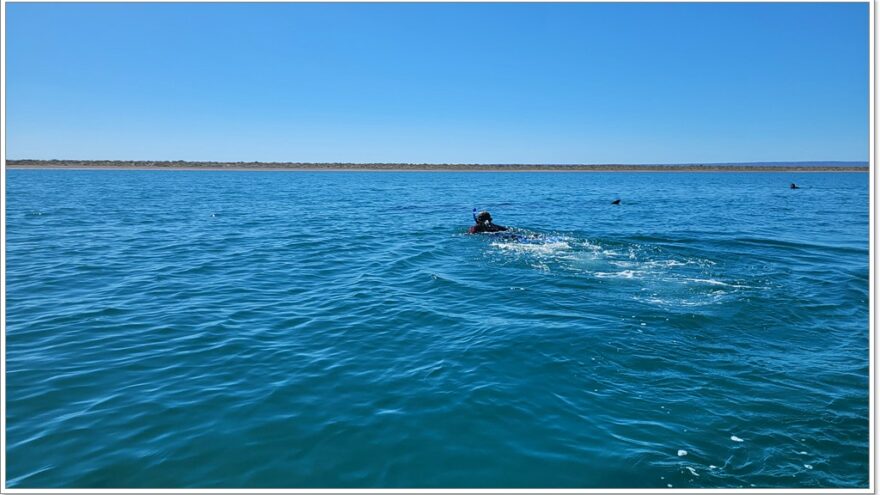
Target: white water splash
pixel 542 249
pixel 621 274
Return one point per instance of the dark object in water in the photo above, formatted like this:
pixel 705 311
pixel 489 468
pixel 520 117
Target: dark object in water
pixel 616 202
pixel 521 237
pixel 507 236
pixel 793 186
pixel 484 224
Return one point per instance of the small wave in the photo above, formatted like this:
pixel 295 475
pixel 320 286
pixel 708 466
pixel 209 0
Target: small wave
pixel 545 249
pixel 681 302
pixel 798 245
pixel 621 274
pixel 650 263
pixel 710 281
pixel 707 281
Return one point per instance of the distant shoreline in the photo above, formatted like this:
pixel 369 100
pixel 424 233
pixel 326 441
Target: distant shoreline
pixel 406 167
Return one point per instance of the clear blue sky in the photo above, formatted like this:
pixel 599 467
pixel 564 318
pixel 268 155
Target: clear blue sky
pixel 438 83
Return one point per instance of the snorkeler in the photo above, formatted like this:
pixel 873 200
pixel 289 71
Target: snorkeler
pixel 793 186
pixel 484 224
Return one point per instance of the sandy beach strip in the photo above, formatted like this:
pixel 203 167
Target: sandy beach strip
pixel 406 167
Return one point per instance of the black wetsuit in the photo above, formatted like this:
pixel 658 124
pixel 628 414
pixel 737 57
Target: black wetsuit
pixel 485 227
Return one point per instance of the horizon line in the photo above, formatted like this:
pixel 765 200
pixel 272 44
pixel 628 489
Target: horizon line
pixel 470 164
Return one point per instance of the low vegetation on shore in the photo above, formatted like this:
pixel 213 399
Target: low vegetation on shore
pixel 733 167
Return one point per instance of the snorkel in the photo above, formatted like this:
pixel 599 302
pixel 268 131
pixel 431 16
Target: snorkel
pixel 483 214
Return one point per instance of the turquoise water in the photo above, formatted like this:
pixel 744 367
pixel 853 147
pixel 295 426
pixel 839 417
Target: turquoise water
pixel 295 329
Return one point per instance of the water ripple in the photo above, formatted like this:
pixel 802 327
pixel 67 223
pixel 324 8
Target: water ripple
pixel 260 330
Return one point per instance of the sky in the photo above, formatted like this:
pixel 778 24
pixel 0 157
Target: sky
pixel 438 82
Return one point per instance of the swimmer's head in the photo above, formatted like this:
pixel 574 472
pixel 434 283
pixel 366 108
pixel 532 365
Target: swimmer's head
pixel 483 217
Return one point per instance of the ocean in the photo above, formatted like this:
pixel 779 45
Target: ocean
pixel 202 329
